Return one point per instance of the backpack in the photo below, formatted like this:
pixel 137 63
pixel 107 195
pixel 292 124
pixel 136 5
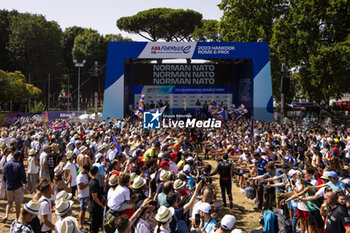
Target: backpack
pixel 283 223
pixel 109 221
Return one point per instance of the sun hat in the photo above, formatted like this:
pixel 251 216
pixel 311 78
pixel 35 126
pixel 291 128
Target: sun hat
pixel 53 145
pixel 164 175
pixel 101 147
pixel 133 175
pixel 83 148
pixel 187 169
pixel 139 182
pixel 32 207
pixel 228 222
pixel 62 206
pixel 325 176
pixel 32 152
pixel 63 195
pixel 178 184
pixel 113 180
pixel 68 225
pixel 70 146
pixel 46 146
pixel 205 207
pixel 58 170
pixel 69 154
pixel 292 172
pixel 164 213
pixel 111 145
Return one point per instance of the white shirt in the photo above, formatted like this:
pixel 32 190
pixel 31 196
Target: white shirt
pixel 347 149
pixel 116 197
pixel 83 179
pixel 9 158
pixel 142 227
pixel 72 172
pixel 2 166
pixel 32 167
pixel 58 223
pixel 45 209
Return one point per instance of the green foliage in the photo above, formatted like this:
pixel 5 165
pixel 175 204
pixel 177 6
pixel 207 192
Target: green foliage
pixel 314 37
pixel 34 45
pixel 37 108
pixel 117 37
pixel 162 23
pixel 14 88
pixel 208 31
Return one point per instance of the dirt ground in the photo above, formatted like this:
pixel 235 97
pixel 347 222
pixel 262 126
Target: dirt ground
pixel 247 218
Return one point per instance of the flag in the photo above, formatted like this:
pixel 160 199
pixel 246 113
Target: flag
pixel 160 110
pixel 119 149
pixel 218 113
pixel 57 126
pixel 237 113
pixel 252 129
pixel 139 111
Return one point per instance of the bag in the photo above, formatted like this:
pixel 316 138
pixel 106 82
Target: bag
pixel 283 223
pixel 109 221
pixel 250 192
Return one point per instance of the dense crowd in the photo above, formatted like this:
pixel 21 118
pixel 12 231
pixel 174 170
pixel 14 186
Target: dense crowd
pixel 130 179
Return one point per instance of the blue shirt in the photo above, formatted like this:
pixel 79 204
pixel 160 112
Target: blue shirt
pixel 100 172
pixel 14 175
pixel 191 181
pixel 269 221
pixel 261 166
pixel 209 226
pixel 339 186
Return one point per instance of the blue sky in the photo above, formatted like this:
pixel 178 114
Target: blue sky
pixel 102 15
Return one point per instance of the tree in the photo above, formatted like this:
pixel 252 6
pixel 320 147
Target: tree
pixel 117 37
pixel 208 31
pixel 314 37
pixel 14 87
pixel 34 45
pixel 162 23
pixel 250 20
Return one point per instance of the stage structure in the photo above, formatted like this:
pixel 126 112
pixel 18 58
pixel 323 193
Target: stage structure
pixel 227 73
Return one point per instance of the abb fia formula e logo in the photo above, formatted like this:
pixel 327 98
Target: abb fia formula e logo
pixel 170 49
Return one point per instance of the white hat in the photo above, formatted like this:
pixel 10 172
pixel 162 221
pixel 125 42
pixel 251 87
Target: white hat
pixel 58 170
pixel 164 213
pixel 63 195
pixel 164 175
pixel 187 168
pixel 101 147
pixel 69 154
pixel 98 156
pixel 228 222
pixel 138 182
pixel 133 175
pixel 83 148
pixel 189 159
pixel 178 184
pixel 205 207
pixel 70 146
pixel 68 225
pixel 292 172
pixel 32 152
pixel 32 207
pixel 237 231
pixel 113 180
pixel 62 206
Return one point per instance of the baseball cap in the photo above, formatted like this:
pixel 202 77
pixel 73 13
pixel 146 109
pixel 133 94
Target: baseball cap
pixel 332 174
pixel 164 163
pixel 205 207
pixel 187 168
pixel 292 172
pixel 228 222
